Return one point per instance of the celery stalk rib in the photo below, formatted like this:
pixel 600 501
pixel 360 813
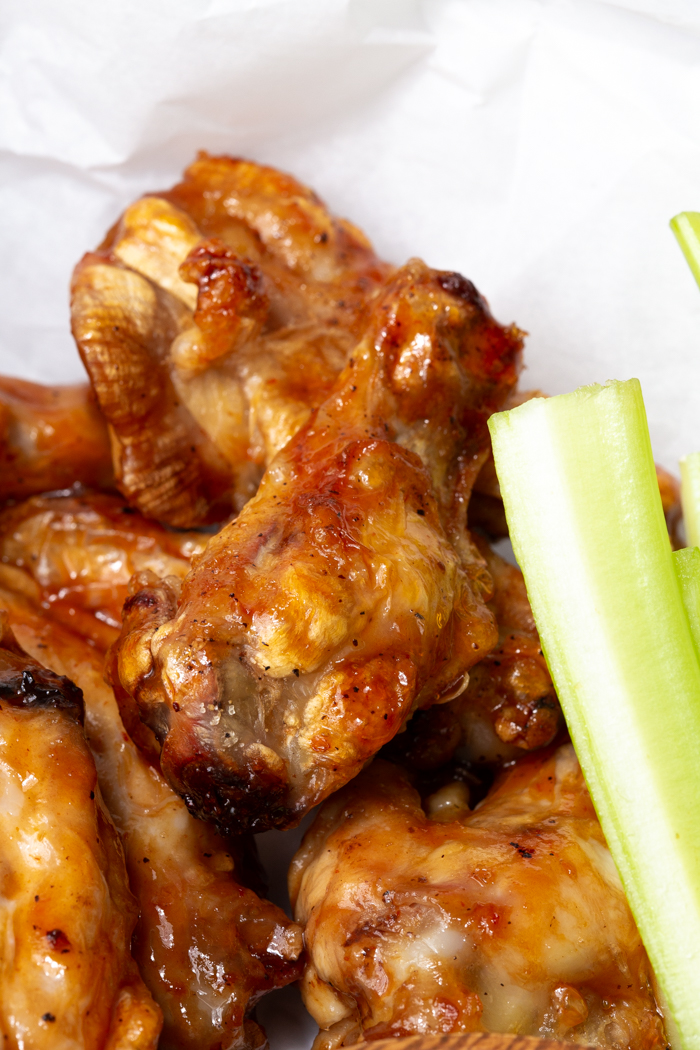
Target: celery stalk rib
pixel 687 565
pixel 587 526
pixel 686 227
pixel 690 497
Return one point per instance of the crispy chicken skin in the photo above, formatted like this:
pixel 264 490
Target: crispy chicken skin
pixel 509 705
pixel 207 946
pixel 82 549
pixel 511 689
pixel 510 918
pixel 212 319
pixel 50 438
pixel 347 592
pixel 67 978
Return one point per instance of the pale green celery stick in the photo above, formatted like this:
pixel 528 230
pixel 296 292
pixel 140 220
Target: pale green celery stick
pixel 686 227
pixel 585 517
pixel 690 497
pixel 687 565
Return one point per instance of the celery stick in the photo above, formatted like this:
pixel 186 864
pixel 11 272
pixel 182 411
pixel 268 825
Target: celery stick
pixel 686 227
pixel 690 497
pixel 585 517
pixel 687 565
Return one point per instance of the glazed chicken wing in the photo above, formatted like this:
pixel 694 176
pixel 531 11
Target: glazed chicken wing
pixel 347 592
pixel 50 438
pixel 510 918
pixel 211 321
pixel 82 549
pixel 207 946
pixel 509 705
pixel 67 978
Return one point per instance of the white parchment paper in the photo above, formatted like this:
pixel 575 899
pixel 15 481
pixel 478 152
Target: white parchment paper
pixel 539 146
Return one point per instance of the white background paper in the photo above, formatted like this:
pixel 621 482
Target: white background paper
pixel 539 147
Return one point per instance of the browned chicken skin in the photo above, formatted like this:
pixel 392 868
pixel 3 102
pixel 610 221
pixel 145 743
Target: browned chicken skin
pixel 50 438
pixel 510 918
pixel 82 549
pixel 512 686
pixel 207 946
pixel 509 705
pixel 347 592
pixel 212 320
pixel 67 978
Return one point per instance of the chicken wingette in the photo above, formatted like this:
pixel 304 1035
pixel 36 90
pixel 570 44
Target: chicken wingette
pixel 206 944
pixel 435 918
pixel 67 977
pixel 81 549
pixel 211 321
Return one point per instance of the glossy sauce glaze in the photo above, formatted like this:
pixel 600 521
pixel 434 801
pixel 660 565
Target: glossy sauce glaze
pixel 347 592
pixel 81 550
pixel 508 918
pixel 67 978
pixel 50 438
pixel 206 944
pixel 509 706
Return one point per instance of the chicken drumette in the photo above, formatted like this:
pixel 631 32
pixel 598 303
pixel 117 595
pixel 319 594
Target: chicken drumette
pixel 347 592
pixel 50 438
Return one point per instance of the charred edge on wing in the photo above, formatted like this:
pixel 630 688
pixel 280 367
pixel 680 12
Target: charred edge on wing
pixel 235 802
pixel 26 684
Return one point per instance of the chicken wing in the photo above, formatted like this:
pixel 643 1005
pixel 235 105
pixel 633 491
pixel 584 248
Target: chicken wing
pixel 81 550
pixel 347 592
pixel 211 321
pixel 510 918
pixel 67 978
pixel 207 946
pixel 50 438
pixel 509 705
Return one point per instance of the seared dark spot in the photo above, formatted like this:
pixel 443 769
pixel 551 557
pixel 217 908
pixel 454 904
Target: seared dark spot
pixel 236 799
pixel 26 684
pixel 58 940
pixel 140 600
pixel 461 287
